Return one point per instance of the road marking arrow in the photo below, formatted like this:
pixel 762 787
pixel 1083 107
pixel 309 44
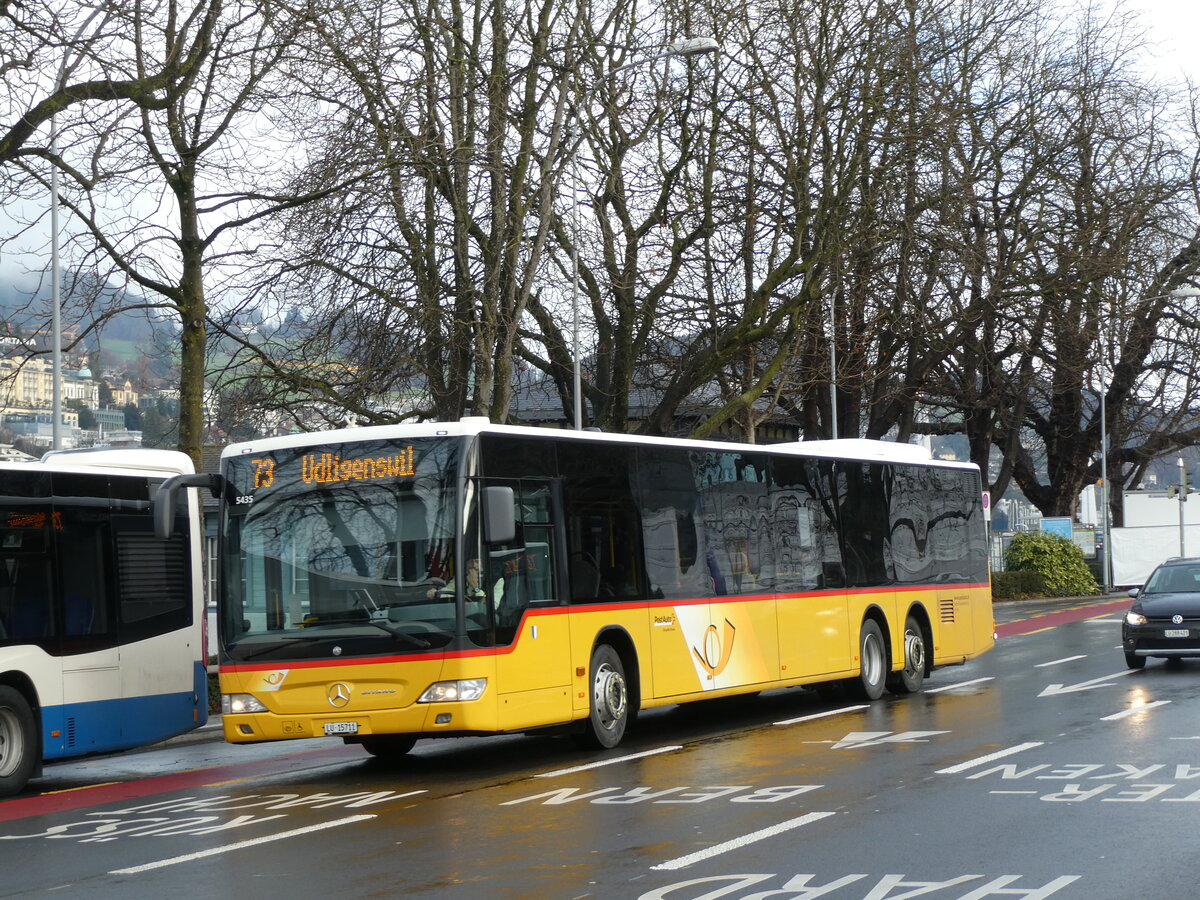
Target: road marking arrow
pixel 858 739
pixel 1054 690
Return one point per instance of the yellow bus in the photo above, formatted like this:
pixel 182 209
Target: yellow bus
pixel 392 583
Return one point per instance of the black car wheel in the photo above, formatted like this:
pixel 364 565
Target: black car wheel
pixel 1134 661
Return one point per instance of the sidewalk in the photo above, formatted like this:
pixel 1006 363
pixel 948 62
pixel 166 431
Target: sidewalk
pixel 209 731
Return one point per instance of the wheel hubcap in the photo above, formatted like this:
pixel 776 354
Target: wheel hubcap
pixel 914 653
pixel 872 658
pixel 610 695
pixel 9 746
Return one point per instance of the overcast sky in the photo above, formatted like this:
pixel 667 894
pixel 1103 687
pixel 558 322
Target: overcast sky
pixel 1175 27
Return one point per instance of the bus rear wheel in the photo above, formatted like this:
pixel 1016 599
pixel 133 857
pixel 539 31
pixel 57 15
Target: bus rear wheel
pixel 909 679
pixel 18 741
pixel 609 713
pixel 873 658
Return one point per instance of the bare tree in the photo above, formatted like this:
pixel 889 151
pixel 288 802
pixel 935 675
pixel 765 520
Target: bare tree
pixel 419 278
pixel 161 184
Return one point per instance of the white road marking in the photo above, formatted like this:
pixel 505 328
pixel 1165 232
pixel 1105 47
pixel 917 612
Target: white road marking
pixel 1134 710
pixel 1104 621
pixel 609 762
pixel 856 740
pixel 1065 659
pixel 1053 690
pixel 823 715
pixel 240 845
pixel 961 684
pixel 738 843
pixel 980 760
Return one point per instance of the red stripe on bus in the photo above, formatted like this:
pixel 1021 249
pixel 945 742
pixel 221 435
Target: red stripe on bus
pixel 341 662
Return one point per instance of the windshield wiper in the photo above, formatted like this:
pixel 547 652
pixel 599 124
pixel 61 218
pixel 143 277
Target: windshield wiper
pixel 412 640
pixel 419 643
pixel 299 639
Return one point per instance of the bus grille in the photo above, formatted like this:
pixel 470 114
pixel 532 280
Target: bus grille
pixel 70 731
pixel 946 608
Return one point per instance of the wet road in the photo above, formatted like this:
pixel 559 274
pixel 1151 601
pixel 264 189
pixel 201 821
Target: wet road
pixel 1042 769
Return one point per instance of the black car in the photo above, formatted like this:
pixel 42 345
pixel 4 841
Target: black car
pixel 1165 617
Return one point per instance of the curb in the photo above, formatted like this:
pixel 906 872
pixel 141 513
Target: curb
pixel 212 730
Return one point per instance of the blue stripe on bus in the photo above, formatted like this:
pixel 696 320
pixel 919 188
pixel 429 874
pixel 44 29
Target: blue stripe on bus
pixel 105 725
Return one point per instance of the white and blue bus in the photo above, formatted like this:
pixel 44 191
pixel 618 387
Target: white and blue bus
pixel 103 642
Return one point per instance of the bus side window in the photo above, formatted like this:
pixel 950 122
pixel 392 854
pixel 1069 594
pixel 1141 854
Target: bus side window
pixel 83 572
pixel 27 589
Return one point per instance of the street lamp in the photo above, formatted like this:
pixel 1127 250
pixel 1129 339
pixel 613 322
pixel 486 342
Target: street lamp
pixel 684 48
pixel 833 430
pixel 1177 294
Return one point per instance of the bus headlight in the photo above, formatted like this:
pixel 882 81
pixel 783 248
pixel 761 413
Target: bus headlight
pixel 1135 618
pixel 232 704
pixel 454 691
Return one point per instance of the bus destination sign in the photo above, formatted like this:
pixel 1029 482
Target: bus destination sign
pixel 333 468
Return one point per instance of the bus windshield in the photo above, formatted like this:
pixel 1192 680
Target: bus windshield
pixel 346 545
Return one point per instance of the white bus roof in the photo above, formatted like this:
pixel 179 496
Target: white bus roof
pixel 116 460
pixel 847 448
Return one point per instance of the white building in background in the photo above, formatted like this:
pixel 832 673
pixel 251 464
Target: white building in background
pixel 1157 527
pixel 28 384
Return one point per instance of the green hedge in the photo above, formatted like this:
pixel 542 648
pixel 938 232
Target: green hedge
pixel 1017 585
pixel 214 694
pixel 1059 561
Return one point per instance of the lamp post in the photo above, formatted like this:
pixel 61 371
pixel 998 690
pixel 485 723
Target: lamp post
pixel 1183 489
pixel 1177 294
pixel 833 425
pixel 688 47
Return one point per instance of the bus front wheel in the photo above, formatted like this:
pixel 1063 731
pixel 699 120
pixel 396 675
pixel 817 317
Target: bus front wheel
pixel 609 713
pixel 873 658
pixel 18 741
pixel 388 747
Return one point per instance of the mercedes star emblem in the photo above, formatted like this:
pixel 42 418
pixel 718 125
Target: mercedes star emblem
pixel 338 694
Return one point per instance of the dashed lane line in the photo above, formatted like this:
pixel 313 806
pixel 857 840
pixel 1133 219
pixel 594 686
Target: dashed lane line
pixel 240 845
pixel 739 842
pixel 609 762
pixel 822 715
pixel 1065 659
pixel 1134 710
pixel 981 760
pixel 959 684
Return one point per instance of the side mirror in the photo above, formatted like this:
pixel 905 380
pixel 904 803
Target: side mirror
pixel 164 500
pixel 1133 592
pixel 499 515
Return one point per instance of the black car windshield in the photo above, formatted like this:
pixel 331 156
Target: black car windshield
pixel 1174 580
pixel 352 542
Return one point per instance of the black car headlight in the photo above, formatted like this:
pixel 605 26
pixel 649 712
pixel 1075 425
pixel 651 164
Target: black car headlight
pixel 1133 617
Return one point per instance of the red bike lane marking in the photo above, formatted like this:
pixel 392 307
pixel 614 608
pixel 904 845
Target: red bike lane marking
pixel 1050 620
pixel 44 804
